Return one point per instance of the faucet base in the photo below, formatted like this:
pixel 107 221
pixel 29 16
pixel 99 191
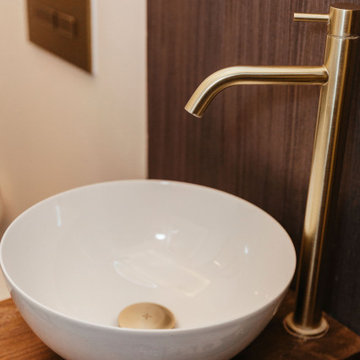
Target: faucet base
pixel 305 333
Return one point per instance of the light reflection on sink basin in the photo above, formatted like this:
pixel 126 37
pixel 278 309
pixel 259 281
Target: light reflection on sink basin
pixel 75 260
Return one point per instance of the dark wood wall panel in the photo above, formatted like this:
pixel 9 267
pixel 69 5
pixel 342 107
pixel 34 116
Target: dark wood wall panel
pixel 253 141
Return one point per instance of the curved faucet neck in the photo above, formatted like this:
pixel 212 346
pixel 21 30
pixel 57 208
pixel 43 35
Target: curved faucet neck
pixel 236 75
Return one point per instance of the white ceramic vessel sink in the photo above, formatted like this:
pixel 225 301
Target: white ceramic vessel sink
pixel 75 260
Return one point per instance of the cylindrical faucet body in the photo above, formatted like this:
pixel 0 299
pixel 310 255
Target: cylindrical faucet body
pixel 342 46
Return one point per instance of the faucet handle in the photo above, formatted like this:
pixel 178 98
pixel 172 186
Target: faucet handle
pixel 311 17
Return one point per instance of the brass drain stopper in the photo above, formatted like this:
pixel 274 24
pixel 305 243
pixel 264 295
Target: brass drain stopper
pixel 146 316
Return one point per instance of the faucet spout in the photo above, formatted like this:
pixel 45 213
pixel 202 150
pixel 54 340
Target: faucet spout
pixel 236 75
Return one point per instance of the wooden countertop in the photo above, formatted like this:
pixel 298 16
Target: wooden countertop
pixel 18 342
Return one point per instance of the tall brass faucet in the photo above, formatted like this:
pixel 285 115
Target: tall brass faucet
pixel 335 79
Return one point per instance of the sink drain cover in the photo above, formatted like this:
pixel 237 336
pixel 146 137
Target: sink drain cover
pixel 146 316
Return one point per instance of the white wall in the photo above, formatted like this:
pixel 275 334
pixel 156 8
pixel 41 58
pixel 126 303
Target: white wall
pixel 59 126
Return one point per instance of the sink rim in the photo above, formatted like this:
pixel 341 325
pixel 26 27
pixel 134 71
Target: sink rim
pixel 141 332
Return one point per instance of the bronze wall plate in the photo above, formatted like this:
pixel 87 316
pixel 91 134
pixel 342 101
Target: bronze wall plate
pixel 62 27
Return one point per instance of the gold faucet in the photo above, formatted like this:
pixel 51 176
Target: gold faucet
pixel 335 78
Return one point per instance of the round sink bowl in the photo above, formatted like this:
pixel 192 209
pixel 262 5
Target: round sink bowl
pixel 74 261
